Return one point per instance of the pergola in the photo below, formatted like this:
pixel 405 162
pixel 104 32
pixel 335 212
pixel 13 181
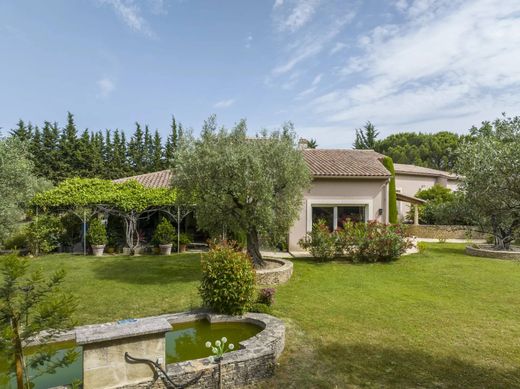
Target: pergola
pixel 415 202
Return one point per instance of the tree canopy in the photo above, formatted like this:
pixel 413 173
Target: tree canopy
pixel 366 137
pixel 252 186
pixel 61 152
pixel 490 169
pixel 18 183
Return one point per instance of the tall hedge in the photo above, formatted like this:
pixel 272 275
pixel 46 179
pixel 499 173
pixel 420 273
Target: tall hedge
pixel 392 197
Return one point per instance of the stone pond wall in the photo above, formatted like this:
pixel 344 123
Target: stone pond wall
pixel 104 347
pixel 277 275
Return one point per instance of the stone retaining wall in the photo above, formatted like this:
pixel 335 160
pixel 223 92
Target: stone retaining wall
pixel 487 252
pixel 445 232
pixel 277 275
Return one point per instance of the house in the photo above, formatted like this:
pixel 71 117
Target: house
pixel 347 184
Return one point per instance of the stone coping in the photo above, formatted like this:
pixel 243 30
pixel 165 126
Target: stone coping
pixel 113 331
pixel 277 275
pixel 486 251
pixel 271 340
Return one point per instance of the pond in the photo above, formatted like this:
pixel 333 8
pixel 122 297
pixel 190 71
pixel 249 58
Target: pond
pixel 62 375
pixel 187 340
pixel 184 342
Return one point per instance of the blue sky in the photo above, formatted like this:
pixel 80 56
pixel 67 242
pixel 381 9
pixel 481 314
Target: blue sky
pixel 328 66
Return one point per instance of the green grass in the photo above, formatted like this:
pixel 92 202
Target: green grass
pixel 436 319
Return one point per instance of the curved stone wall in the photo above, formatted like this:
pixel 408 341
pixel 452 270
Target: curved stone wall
pixel 486 251
pixel 277 275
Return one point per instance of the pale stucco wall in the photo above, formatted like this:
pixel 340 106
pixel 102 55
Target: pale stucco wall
pixel 341 191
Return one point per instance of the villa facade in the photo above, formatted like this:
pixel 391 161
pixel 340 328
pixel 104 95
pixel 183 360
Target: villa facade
pixel 346 185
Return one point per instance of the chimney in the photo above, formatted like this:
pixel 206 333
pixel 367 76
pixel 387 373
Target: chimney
pixel 302 144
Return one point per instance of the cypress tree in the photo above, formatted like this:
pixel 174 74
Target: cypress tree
pixel 157 153
pixel 136 151
pixel 171 143
pixel 22 132
pixel 68 149
pixel 392 196
pixel 49 161
pixel 148 150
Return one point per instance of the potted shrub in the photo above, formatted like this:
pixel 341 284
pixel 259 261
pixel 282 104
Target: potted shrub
pixel 163 236
pixel 184 241
pixel 97 237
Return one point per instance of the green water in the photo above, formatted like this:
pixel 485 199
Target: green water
pixel 62 375
pixel 187 340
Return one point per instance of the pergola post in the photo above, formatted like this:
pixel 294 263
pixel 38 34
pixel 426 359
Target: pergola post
pixel 416 214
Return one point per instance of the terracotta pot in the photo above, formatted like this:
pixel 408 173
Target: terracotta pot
pixel 97 250
pixel 166 249
pixel 183 247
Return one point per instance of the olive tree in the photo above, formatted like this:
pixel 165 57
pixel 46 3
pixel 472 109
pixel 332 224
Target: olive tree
pixel 252 186
pixel 17 183
pixel 490 168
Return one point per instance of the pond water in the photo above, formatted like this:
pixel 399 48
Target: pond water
pixel 187 340
pixel 62 375
pixel 184 342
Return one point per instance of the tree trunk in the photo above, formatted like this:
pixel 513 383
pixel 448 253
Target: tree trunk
pixel 132 235
pixel 253 248
pixel 502 243
pixel 18 354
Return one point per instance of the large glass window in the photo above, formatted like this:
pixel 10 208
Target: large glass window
pixel 336 215
pixel 350 213
pixel 323 213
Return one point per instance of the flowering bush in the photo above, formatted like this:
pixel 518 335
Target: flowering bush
pixel 359 242
pixel 228 280
pixel 321 243
pixel 266 296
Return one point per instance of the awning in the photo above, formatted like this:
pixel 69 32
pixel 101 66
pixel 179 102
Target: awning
pixel 409 199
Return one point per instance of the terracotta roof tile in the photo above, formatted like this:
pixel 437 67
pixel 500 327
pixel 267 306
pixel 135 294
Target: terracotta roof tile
pixel 160 179
pixel 344 163
pixel 421 171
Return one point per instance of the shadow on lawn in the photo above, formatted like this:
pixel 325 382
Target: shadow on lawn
pixel 149 270
pixel 376 366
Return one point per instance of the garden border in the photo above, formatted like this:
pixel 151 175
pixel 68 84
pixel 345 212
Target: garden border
pixel 481 251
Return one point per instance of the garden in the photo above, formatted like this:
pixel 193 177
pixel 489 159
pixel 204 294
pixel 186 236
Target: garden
pixel 358 312
pixel 437 318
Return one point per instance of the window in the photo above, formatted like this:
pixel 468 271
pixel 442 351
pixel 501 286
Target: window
pixel 323 213
pixel 336 215
pixel 351 213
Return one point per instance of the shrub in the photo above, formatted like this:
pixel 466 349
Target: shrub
pixel 184 239
pixel 228 280
pixel 164 233
pixel 97 233
pixel 266 296
pixel 43 234
pixel 359 242
pixel 421 247
pixel 321 243
pixel 17 240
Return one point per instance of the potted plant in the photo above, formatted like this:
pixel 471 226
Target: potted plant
pixel 163 236
pixel 97 236
pixel 184 241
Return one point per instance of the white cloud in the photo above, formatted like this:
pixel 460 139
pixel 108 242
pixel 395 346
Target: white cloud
pixel 448 60
pixel 310 45
pixel 105 87
pixel 249 40
pixel 224 103
pixel 277 4
pixel 338 47
pixel 317 79
pixel 130 13
pixel 299 15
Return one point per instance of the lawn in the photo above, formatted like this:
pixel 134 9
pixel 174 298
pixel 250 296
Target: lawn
pixel 436 319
